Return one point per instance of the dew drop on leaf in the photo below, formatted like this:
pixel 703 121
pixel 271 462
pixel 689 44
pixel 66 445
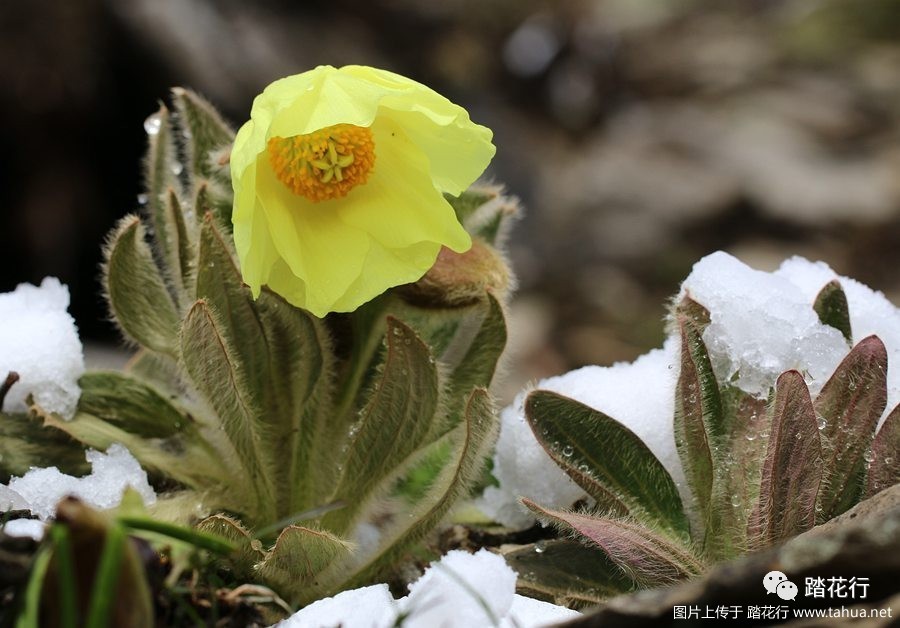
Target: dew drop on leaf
pixel 152 124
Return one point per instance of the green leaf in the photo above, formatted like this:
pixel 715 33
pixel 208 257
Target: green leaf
pixel 107 578
pixel 131 405
pixel 831 306
pixel 247 552
pixel 204 129
pixel 216 370
pixel 792 470
pixel 298 401
pixel 214 200
pixel 476 367
pixel 186 460
pixel 283 354
pixel 28 618
pixel 137 295
pixel 567 573
pixel 851 403
pixel 467 203
pixel 607 459
pixel 471 442
pixel 298 558
pixel 485 212
pixel 179 257
pixel 699 415
pixel 160 166
pixel 220 284
pixel 738 479
pixel 645 556
pixel 157 369
pixel 25 443
pixel 884 470
pixel 398 416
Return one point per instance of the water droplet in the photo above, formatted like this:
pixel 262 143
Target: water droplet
pixel 540 546
pixel 692 399
pixel 583 468
pixel 764 434
pixel 819 508
pixel 142 199
pixel 888 460
pixel 568 450
pixel 750 436
pixel 177 168
pixel 822 422
pixel 398 332
pixel 152 124
pixel 798 435
pixel 869 455
pixel 735 500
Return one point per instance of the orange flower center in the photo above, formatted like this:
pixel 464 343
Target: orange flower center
pixel 324 164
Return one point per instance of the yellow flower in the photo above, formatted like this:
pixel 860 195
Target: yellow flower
pixel 338 180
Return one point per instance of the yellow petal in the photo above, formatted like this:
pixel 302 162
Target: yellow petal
pixel 399 205
pixel 319 249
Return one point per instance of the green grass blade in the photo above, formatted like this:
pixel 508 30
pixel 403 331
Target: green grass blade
pixel 106 580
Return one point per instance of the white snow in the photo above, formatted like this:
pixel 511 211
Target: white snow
pixel 461 590
pixel 870 313
pixel 39 341
pixel 368 607
pixel 761 326
pixel 111 473
pixel 11 500
pixel 640 395
pixel 32 528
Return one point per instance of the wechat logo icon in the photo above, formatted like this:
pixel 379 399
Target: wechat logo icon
pixel 778 583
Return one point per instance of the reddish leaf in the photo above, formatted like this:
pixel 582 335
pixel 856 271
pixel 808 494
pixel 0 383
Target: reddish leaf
pixel 644 555
pixel 792 470
pixel 851 402
pixel 884 471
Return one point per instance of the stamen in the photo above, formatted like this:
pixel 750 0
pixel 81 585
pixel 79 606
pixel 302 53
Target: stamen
pixel 325 164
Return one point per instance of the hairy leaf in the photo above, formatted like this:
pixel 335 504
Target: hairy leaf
pixel 131 405
pixel 645 556
pixel 399 414
pixel 471 442
pixel 248 554
pixel 25 443
pixel 189 461
pixel 216 370
pixel 298 558
pixel 160 166
pixel 567 572
pixel 137 295
pixel 851 402
pixel 793 467
pixel 738 479
pixel 485 212
pixel 204 129
pixel 607 459
pixel 298 401
pixel 699 415
pixel 179 257
pixel 831 306
pixel 884 470
pixel 220 284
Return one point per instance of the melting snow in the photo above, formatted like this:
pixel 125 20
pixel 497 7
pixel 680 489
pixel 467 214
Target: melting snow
pixel 39 341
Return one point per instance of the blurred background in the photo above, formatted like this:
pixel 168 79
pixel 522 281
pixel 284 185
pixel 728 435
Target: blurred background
pixel 639 134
